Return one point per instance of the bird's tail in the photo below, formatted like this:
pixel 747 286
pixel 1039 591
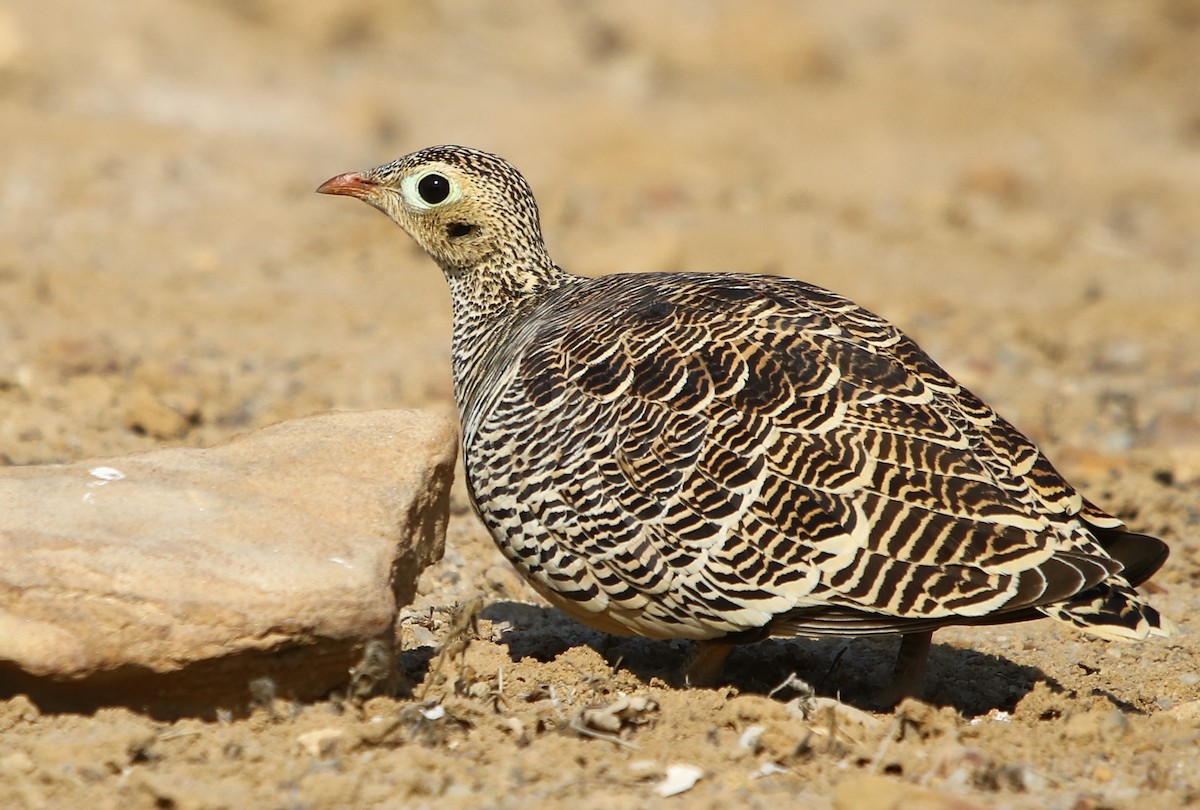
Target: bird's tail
pixel 1112 610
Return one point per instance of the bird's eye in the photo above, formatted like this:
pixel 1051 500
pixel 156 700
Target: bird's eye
pixel 433 188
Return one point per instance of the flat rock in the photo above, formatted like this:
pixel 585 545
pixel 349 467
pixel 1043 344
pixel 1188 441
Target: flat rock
pixel 169 580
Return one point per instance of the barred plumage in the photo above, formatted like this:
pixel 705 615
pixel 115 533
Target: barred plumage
pixel 727 457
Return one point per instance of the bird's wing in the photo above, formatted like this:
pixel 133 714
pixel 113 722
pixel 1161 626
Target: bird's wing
pixel 716 453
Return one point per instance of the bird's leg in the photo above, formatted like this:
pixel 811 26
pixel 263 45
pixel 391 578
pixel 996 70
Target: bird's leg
pixel 908 679
pixel 705 667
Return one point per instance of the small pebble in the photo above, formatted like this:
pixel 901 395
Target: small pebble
pixel 322 742
pixel 751 738
pixel 642 769
pixel 16 762
pixel 434 713
pixel 1114 724
pixel 679 778
pixel 421 636
pixel 768 769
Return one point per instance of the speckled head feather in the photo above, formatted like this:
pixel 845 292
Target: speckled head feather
pixel 468 209
pixel 725 457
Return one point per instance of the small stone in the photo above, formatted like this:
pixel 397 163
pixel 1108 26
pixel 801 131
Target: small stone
pixel 622 711
pixel 17 711
pixel 147 414
pixel 768 769
pixel 514 726
pixel 602 720
pixel 679 778
pixel 959 764
pixel 766 726
pixel 742 710
pixel 851 725
pixel 1032 781
pixel 322 742
pixel 751 739
pixel 925 719
pixel 1101 724
pixel 420 636
pixel 16 762
pixel 1113 724
pixel 1185 712
pixel 644 769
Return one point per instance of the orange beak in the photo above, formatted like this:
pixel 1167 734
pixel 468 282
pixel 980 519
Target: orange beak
pixel 351 184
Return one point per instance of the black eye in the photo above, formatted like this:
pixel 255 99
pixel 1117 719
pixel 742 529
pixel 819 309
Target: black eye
pixel 433 188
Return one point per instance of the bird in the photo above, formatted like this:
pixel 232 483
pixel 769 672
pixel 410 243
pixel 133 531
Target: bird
pixel 727 457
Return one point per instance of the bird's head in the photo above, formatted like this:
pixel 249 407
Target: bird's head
pixel 468 209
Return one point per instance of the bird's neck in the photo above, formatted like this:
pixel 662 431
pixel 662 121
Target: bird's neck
pixel 490 305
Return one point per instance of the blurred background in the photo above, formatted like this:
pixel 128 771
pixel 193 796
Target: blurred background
pixel 1015 184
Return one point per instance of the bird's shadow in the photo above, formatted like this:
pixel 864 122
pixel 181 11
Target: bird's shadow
pixel 854 671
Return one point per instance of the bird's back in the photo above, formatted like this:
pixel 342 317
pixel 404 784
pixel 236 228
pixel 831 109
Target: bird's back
pixel 691 455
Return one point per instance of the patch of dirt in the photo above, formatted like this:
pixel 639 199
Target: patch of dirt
pixel 1015 185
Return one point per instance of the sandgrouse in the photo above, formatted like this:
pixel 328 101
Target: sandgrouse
pixel 726 457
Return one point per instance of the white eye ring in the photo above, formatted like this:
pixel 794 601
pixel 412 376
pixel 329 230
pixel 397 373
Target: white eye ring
pixel 411 189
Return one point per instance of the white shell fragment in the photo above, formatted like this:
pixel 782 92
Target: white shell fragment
pixel 679 778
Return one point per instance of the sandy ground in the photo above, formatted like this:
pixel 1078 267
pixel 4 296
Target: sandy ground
pixel 1014 184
